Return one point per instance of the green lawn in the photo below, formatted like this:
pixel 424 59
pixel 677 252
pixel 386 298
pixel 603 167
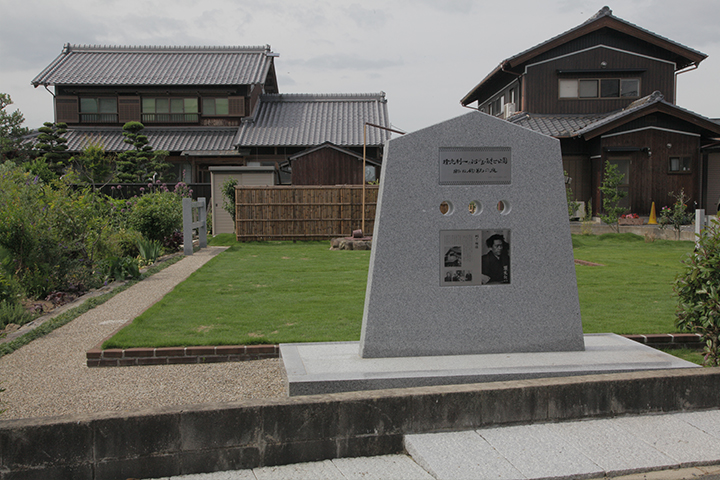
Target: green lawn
pixel 266 292
pixel 632 292
pixel 281 292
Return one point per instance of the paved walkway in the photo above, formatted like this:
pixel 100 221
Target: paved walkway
pixel 668 447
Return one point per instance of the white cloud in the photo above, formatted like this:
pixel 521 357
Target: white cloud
pixel 424 54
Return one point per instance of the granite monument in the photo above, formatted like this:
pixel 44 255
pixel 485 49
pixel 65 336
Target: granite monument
pixel 472 250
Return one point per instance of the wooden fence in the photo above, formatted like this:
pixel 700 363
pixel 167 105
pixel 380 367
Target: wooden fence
pixel 302 212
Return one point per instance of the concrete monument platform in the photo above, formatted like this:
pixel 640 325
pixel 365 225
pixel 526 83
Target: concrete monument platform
pixel 318 368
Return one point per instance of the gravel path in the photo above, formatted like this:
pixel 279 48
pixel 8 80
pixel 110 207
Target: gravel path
pixel 49 376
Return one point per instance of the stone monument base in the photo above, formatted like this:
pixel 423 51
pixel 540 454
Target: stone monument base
pixel 317 368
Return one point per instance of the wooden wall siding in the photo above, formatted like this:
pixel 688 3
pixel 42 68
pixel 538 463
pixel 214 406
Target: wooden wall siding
pixel 578 168
pixel 650 178
pixel 541 82
pixel 327 166
pixel 610 38
pixel 302 212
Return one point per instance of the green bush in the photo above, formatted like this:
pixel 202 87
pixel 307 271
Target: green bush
pixel 54 236
pixel 157 215
pixel 9 288
pixel 120 268
pixel 124 243
pixel 698 289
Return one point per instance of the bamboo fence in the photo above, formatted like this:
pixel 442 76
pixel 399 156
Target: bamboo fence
pixel 302 212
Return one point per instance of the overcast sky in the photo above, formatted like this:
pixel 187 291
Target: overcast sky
pixel 424 54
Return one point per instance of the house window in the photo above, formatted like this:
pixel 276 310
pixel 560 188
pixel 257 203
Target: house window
pixel 599 88
pixel 679 164
pixel 98 110
pixel 170 110
pixel 587 88
pixel 216 106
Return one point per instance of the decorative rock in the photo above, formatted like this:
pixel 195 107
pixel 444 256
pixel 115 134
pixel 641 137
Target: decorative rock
pixel 351 243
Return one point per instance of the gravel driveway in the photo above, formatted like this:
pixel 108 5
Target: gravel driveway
pixel 49 376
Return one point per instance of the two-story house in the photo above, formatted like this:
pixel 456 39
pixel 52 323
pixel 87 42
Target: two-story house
pixel 208 107
pixel 606 89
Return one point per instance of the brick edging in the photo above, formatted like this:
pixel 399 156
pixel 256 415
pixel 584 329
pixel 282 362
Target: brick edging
pixel 664 340
pixel 117 357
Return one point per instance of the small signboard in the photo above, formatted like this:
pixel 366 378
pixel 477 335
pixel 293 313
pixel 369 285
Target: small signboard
pixel 475 165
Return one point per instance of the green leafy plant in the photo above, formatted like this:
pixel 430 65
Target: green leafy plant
pixel 228 193
pixel 120 268
pixel 149 250
pixel 612 195
pixel 93 164
pixel 157 215
pixel 677 215
pixel 572 204
pixel 13 313
pixel 698 290
pixel 11 131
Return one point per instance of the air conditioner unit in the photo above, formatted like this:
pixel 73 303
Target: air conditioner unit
pixel 508 110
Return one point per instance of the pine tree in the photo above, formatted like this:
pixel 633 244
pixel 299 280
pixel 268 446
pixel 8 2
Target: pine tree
pixel 141 163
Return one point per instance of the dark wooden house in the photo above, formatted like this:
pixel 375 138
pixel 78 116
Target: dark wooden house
pixel 207 106
pixel 606 89
pixel 329 164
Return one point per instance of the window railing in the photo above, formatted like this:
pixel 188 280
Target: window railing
pixel 98 118
pixel 170 117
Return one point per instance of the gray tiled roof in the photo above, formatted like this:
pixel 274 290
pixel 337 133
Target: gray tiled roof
pixel 312 119
pixel 606 12
pixel 565 126
pixel 174 139
pixel 558 126
pixel 130 65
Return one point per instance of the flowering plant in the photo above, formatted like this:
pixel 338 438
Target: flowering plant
pixel 630 215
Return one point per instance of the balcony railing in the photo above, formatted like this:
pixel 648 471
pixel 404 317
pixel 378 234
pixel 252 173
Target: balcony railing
pixel 170 117
pixel 98 118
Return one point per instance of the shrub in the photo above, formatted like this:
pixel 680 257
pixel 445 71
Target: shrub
pixel 157 215
pixel 9 288
pixel 677 215
pixel 120 268
pixel 172 243
pixel 53 235
pixel 13 313
pixel 698 290
pixel 124 243
pixel 228 193
pixel 612 195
